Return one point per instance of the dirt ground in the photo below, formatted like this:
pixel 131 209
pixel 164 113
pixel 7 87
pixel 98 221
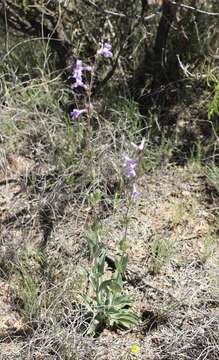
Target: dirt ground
pixel 172 273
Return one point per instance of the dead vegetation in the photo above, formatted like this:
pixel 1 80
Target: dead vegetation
pixel 53 188
pixel 172 274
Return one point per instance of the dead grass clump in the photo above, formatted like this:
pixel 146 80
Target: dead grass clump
pixel 198 341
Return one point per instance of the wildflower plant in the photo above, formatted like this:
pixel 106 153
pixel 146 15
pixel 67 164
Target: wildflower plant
pixel 106 302
pixel 76 113
pixel 132 167
pixel 105 50
pixel 78 75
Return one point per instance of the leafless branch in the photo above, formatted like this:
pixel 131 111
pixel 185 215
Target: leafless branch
pixel 121 15
pixel 194 9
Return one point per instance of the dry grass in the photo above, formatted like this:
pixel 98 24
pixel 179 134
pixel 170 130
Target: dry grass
pixel 171 275
pixel 47 183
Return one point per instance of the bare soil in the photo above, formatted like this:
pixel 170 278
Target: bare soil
pixel 172 273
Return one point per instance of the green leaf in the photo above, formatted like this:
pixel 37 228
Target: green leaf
pixel 88 299
pixel 127 323
pixel 101 262
pixel 93 245
pixel 122 264
pixel 94 281
pixel 93 327
pixel 118 278
pixel 123 244
pixel 109 299
pixel 122 300
pixel 125 318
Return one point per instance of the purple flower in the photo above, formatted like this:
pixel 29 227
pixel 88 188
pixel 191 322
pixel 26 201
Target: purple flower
pixel 76 113
pixel 130 165
pixel 140 146
pixel 77 74
pixel 135 193
pixel 105 50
